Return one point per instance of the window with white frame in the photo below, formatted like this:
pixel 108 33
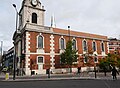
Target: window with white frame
pixel 62 43
pixel 40 60
pixel 94 46
pixel 84 45
pixel 74 44
pixel 102 47
pixel 40 42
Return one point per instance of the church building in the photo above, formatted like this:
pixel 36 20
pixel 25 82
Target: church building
pixel 38 47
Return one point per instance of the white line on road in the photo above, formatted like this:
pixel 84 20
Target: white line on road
pixel 106 84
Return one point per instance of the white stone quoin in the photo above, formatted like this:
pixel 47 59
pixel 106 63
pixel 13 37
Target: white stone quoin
pixel 52 52
pixel 27 58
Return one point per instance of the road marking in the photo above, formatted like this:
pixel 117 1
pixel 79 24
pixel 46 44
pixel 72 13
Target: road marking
pixel 107 85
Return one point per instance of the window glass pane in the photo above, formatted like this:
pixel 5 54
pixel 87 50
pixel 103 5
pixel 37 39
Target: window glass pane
pixel 34 18
pixel 40 42
pixel 62 43
pixel 74 44
pixel 40 59
pixel 102 46
pixel 85 60
pixel 84 45
pixel 94 46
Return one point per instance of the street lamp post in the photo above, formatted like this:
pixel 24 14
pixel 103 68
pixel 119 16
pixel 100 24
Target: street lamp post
pixel 69 41
pixel 14 67
pixel 69 32
pixel 16 16
pixel 1 53
pixel 95 66
pixel 95 71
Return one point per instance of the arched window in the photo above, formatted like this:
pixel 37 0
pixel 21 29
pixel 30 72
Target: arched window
pixel 94 46
pixel 84 45
pixel 74 44
pixel 40 42
pixel 102 47
pixel 62 43
pixel 34 18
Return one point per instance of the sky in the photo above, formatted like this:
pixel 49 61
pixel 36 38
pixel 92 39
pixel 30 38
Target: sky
pixel 100 17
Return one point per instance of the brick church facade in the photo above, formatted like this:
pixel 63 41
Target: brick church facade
pixel 39 47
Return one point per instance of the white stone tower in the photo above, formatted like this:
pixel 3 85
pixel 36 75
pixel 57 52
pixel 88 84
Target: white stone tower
pixel 31 12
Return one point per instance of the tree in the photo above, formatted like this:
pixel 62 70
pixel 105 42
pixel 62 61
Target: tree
pixel 109 61
pixel 104 65
pixel 88 57
pixel 69 55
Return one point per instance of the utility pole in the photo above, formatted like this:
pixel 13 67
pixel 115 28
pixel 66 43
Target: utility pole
pixel 1 52
pixel 14 60
pixel 69 32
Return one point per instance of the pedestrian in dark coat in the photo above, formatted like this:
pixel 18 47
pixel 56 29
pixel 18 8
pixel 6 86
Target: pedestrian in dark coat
pixel 79 69
pixel 114 73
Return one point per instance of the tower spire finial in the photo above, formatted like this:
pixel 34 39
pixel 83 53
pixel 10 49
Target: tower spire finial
pixel 53 24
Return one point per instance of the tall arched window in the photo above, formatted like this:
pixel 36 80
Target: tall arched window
pixel 34 18
pixel 62 43
pixel 102 47
pixel 94 46
pixel 74 44
pixel 40 42
pixel 84 45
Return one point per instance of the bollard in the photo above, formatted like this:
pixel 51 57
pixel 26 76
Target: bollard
pixel 7 76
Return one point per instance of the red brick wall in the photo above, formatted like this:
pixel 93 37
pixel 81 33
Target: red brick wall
pixel 46 43
pixel 56 39
pixel 99 47
pixel 57 61
pixel 79 45
pixel 34 65
pixel 33 41
pixel 33 48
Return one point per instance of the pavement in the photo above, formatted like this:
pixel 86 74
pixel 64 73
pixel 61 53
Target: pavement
pixel 68 76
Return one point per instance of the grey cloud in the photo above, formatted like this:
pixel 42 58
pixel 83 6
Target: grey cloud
pixel 92 16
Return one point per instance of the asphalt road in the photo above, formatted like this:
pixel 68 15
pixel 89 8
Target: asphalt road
pixel 63 84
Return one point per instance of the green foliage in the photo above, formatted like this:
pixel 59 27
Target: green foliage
pixel 110 60
pixel 89 57
pixel 104 64
pixel 118 61
pixel 69 55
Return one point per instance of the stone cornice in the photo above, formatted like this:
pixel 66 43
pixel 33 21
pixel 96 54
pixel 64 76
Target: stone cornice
pixel 45 29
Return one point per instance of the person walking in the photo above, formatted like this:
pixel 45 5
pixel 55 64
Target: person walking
pixel 79 70
pixel 114 73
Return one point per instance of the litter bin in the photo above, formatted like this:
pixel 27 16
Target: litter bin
pixel 7 76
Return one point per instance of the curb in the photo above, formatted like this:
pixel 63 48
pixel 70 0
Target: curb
pixel 51 79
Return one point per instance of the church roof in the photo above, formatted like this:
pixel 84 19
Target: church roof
pixel 79 34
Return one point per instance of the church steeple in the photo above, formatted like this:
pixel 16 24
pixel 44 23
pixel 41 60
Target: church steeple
pixel 53 24
pixel 31 11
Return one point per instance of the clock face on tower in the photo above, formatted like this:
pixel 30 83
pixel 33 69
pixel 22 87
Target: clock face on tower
pixel 34 2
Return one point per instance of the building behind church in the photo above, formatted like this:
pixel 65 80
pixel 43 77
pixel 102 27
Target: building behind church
pixel 38 47
pixel 114 45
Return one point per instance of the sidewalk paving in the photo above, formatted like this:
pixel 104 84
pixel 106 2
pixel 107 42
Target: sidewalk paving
pixel 70 76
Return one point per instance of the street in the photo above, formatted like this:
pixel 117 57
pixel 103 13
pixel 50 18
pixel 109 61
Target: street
pixel 63 84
